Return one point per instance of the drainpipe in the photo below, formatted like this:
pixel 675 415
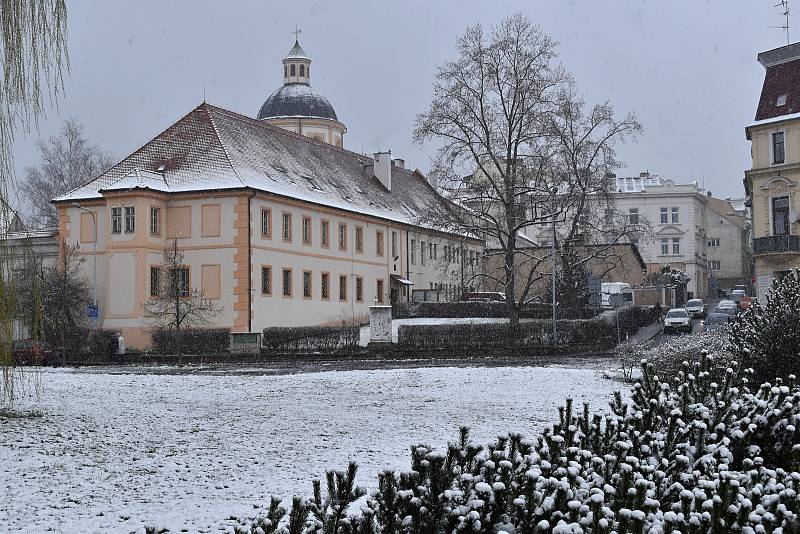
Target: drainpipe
pixel 408 267
pixel 250 263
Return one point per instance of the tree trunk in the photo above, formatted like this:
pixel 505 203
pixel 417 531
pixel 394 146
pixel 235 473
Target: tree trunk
pixel 511 280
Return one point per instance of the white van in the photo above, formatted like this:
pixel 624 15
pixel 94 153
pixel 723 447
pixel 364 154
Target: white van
pixel 615 288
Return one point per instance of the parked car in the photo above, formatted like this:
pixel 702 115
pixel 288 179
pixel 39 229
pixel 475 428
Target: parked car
pixel 715 318
pixel 737 294
pixel 696 308
pixel 745 302
pixel 728 307
pixel 30 352
pixel 678 320
pixel 484 296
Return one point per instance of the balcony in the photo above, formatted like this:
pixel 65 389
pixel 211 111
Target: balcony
pixel 776 244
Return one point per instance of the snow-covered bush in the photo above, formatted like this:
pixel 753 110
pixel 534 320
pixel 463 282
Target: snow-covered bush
pixel 700 456
pixel 673 355
pixel 767 336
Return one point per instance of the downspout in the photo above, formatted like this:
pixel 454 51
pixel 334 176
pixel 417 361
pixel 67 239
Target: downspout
pixel 250 263
pixel 408 267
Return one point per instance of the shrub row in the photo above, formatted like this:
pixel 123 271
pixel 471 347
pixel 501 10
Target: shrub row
pixel 596 332
pixel 311 338
pixel 192 341
pixel 484 309
pixel 633 318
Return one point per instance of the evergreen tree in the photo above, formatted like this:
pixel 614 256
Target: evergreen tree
pixel 767 336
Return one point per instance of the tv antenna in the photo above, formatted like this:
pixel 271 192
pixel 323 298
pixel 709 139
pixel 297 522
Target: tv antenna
pixel 784 5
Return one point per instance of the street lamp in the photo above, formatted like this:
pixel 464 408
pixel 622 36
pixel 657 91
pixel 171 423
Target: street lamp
pixel 94 260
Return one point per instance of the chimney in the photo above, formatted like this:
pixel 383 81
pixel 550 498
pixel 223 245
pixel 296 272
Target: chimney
pixel 383 168
pixel 399 163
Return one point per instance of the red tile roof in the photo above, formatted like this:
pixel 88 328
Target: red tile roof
pixel 780 79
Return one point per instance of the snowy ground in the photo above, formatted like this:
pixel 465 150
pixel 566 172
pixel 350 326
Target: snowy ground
pixel 111 452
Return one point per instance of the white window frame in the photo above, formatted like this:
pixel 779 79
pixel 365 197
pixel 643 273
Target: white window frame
pixel 665 246
pixel 772 147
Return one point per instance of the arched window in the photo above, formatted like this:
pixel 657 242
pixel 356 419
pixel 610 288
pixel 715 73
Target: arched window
pixel 302 70
pixel 284 71
pixel 292 69
pixel 308 72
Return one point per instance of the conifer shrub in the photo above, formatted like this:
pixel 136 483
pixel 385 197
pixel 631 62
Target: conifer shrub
pixel 193 340
pixel 311 338
pixel 696 456
pixel 767 336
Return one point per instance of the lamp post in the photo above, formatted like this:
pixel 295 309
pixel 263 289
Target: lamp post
pixel 94 260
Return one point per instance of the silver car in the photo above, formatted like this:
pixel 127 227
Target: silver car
pixel 678 320
pixel 696 308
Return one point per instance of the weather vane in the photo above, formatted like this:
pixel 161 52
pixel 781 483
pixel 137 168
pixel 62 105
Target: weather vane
pixel 784 4
pixel 297 32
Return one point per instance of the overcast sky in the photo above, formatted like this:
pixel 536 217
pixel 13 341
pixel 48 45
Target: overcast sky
pixel 687 68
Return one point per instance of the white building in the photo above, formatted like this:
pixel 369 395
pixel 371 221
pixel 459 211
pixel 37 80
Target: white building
pixel 279 228
pixel 678 226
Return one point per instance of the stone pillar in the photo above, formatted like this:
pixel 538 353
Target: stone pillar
pixel 380 324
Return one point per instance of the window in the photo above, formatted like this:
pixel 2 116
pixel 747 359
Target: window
pixel 130 219
pixel 379 243
pixel 413 252
pixel 781 100
pixel 675 218
pixel 715 265
pixel 780 216
pixel 676 246
pixel 325 286
pixel 359 289
pixel 394 245
pixel 342 287
pixel 155 281
pixel 359 239
pixel 116 220
pixel 302 70
pixel 422 253
pixel 379 291
pixel 155 221
pixel 266 280
pixel 664 247
pixel 286 228
pixel 664 215
pixel 435 251
pixel 266 223
pixel 778 152
pixel 306 230
pixel 713 242
pixel 430 251
pixel 286 279
pixel 179 280
pixel 342 236
pixel 306 284
pixel 446 253
pixel 325 233
pixel 633 216
pixel 292 71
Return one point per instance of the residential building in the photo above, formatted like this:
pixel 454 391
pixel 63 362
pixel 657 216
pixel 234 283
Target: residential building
pixel 675 216
pixel 279 228
pixel 728 246
pixel 772 182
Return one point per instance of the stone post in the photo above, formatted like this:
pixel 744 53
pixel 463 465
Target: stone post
pixel 380 324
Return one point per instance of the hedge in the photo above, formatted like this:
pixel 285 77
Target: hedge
pixel 633 318
pixel 310 338
pixel 484 309
pixel 193 341
pixel 596 332
pixel 102 342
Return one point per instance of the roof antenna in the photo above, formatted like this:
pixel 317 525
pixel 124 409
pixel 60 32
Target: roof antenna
pixel 784 4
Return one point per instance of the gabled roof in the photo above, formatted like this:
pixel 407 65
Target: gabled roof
pixel 781 81
pixel 211 148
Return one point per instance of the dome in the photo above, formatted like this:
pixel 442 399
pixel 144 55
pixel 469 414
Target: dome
pixel 297 100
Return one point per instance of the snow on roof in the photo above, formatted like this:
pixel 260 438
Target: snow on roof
pixel 211 148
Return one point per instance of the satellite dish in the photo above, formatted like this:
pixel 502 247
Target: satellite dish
pixel 793 215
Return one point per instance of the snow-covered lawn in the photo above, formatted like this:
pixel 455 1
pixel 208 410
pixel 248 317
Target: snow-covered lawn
pixel 114 452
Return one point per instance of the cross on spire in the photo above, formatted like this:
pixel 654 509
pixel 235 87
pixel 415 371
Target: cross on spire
pixel 297 32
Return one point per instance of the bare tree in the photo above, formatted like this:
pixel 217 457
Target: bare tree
pixel 65 297
pixel 177 306
pixel 517 150
pixel 67 161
